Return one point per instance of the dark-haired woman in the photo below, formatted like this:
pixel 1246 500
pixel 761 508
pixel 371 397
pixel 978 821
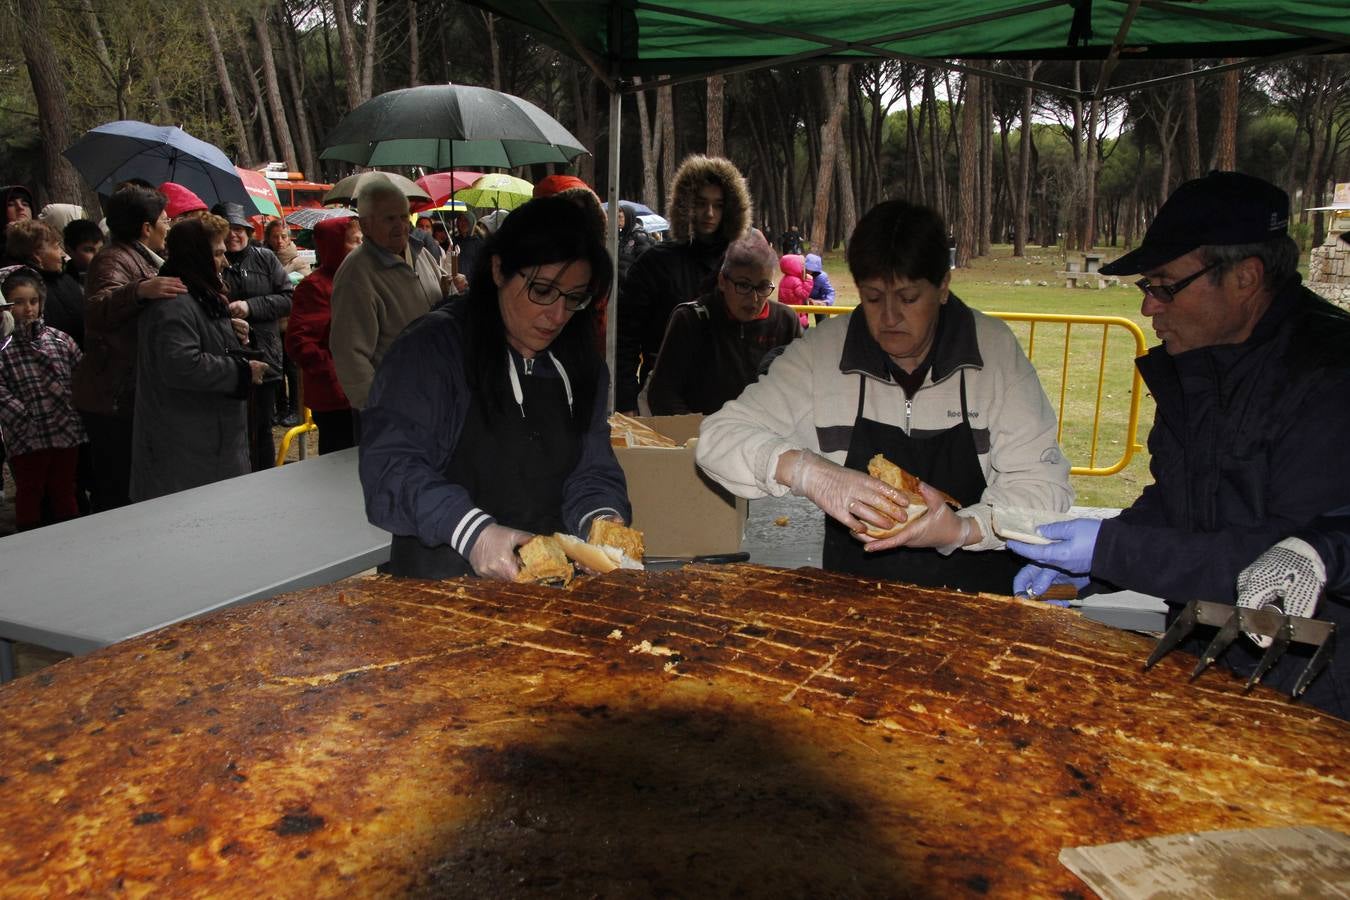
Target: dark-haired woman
pixel 915 375
pixel 191 423
pixel 486 421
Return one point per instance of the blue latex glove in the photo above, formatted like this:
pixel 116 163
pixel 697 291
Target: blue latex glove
pixel 1033 581
pixel 1072 551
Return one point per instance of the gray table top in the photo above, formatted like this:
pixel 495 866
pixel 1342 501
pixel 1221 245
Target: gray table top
pixel 92 581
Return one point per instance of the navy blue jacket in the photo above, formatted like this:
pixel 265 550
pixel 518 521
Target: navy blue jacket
pixel 409 429
pixel 1248 447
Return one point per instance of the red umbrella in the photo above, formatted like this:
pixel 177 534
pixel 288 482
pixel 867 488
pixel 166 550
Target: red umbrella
pixel 441 184
pixel 261 191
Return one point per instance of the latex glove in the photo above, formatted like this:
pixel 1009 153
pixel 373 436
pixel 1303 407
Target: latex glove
pixel 1033 581
pixel 940 527
pixel 1288 577
pixel 1072 551
pixel 846 495
pixel 494 553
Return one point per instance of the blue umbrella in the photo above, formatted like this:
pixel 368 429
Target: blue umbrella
pixel 642 208
pixel 126 149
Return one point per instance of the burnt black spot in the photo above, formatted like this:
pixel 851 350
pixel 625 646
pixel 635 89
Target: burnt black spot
pixel 185 656
pixel 211 711
pixel 214 729
pixel 231 848
pixel 303 854
pixel 45 679
pixel 587 712
pixel 1021 743
pixel 193 835
pixel 4 778
pixel 943 778
pixel 1031 689
pixel 46 766
pixel 298 822
pixel 167 645
pixel 217 687
pixel 888 739
pixel 978 883
pixel 351 676
pixel 176 730
pixel 118 712
pixel 1075 771
pixel 356 716
pixel 148 818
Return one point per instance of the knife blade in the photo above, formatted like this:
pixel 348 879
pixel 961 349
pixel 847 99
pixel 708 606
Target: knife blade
pixel 710 558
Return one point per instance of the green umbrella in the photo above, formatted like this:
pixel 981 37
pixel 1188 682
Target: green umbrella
pixel 444 126
pixel 496 191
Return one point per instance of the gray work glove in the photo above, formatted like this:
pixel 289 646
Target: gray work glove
pixel 1288 578
pixel 494 553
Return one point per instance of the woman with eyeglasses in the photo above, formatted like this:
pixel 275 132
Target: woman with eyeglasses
pixel 917 376
pixel 714 345
pixel 486 421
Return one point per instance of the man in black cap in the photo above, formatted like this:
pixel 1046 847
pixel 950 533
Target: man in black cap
pixel 1252 422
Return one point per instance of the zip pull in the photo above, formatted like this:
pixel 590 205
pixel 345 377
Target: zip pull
pixel 909 413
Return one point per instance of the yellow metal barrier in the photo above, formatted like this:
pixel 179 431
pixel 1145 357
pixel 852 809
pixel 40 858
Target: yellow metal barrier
pixel 304 427
pixel 1106 323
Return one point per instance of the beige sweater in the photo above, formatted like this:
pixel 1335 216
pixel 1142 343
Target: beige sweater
pixel 375 296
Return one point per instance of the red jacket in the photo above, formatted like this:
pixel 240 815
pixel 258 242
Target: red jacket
pixel 312 317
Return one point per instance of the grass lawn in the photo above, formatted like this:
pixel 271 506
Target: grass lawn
pixel 988 285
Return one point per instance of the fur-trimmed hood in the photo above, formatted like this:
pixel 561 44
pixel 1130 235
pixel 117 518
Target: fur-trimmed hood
pixel 694 172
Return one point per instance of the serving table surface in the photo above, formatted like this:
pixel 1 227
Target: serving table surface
pixel 710 731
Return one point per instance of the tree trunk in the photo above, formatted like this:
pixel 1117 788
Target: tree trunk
pixel 986 165
pixel 243 140
pixel 716 144
pixel 290 57
pixel 1191 145
pixel 1226 150
pixel 938 197
pixel 1090 168
pixel 1023 201
pixel 61 183
pixel 268 147
pixel 650 146
pixel 967 189
pixel 848 202
pixel 913 149
pixel 414 52
pixel 347 41
pixel 494 50
pixel 829 149
pixel 665 115
pixel 587 119
pixel 368 70
pixel 273 85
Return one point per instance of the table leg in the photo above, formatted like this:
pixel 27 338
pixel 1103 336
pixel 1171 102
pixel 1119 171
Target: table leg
pixel 6 660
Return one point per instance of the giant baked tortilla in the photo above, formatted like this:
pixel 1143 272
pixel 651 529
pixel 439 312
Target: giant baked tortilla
pixel 707 732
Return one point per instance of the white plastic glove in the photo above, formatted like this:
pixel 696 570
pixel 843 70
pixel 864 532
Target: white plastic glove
pixel 494 553
pixel 940 528
pixel 1288 578
pixel 846 495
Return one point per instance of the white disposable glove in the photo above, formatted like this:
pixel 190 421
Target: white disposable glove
pixel 846 495
pixel 494 553
pixel 1288 578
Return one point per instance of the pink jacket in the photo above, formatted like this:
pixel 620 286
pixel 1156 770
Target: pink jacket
pixel 795 288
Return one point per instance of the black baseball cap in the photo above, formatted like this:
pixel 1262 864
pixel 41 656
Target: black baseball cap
pixel 1220 209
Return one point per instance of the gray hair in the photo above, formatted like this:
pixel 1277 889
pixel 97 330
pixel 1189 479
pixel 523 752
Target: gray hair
pixel 751 250
pixel 374 192
pixel 1279 258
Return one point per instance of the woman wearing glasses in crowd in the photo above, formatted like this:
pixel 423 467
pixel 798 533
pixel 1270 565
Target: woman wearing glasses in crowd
pixel 916 375
pixel 486 422
pixel 714 345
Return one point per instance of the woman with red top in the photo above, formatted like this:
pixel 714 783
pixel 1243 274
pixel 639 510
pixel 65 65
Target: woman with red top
pixel 307 335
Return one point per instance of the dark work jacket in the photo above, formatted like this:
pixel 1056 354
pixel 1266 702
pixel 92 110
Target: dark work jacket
pixel 662 278
pixel 1329 535
pixel 64 306
pixel 1248 447
pixel 708 357
pixel 256 276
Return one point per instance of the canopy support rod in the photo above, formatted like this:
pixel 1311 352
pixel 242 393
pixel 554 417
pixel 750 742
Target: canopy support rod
pixel 1113 57
pixel 579 48
pixel 1249 63
pixel 612 220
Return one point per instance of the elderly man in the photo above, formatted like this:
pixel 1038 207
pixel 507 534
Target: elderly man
pixel 1251 383
pixel 381 287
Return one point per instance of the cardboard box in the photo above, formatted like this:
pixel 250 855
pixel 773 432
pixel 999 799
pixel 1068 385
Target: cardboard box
pixel 680 510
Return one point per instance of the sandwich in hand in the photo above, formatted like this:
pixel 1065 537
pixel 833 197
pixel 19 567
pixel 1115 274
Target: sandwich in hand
pixel 611 546
pixel 544 562
pixel 882 469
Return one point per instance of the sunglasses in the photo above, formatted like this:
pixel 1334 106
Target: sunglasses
pixel 1166 293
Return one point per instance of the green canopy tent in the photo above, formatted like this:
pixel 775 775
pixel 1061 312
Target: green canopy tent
pixel 686 40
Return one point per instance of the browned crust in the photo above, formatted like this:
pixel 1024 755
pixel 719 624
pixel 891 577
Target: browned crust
pixel 705 732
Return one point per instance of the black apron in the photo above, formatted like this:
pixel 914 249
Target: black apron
pixel 513 463
pixel 947 461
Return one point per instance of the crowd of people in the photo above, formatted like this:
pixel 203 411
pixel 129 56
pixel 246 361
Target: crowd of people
pixel 479 398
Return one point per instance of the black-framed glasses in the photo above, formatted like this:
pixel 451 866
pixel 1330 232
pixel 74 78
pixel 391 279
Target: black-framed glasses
pixel 544 293
pixel 763 289
pixel 1166 293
